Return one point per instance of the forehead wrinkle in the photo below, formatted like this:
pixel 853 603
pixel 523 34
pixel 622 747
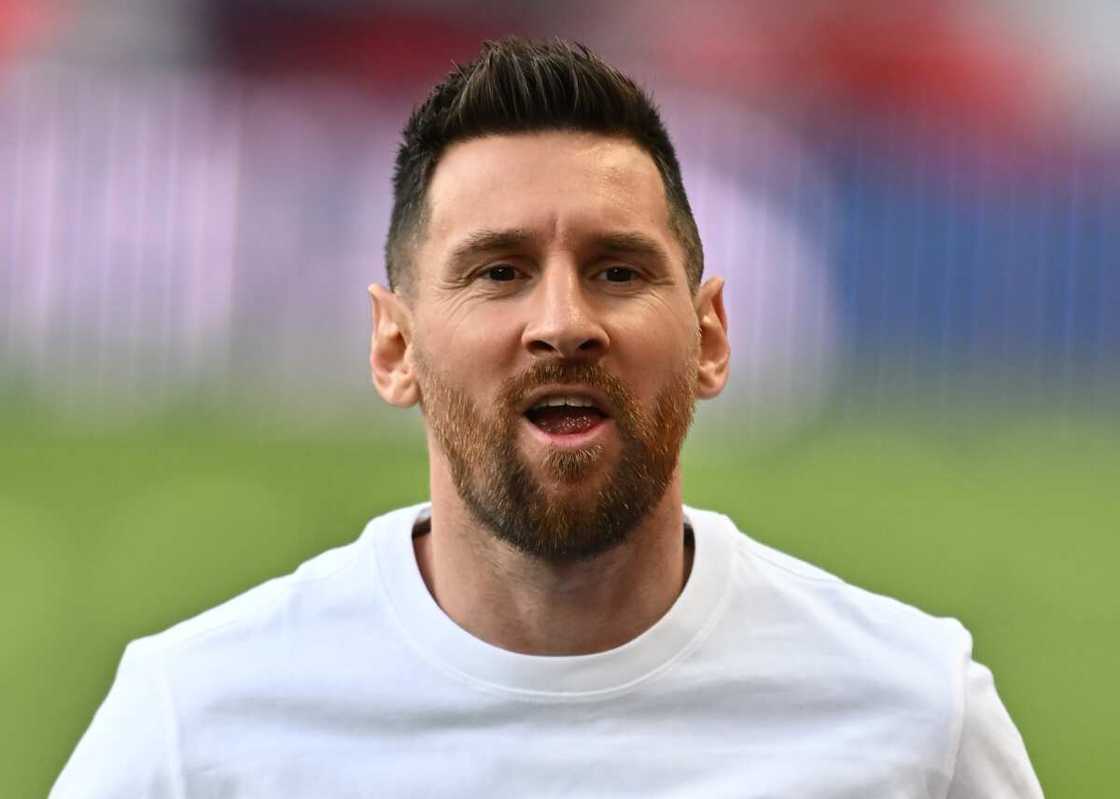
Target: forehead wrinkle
pixel 594 203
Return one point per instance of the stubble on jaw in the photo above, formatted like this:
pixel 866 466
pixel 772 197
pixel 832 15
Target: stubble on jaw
pixel 503 493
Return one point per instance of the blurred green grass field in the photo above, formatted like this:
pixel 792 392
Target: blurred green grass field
pixel 1011 527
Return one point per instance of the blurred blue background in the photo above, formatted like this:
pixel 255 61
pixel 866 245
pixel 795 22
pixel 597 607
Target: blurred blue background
pixel 915 205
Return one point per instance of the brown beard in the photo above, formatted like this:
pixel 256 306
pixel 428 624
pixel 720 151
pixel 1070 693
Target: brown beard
pixel 499 487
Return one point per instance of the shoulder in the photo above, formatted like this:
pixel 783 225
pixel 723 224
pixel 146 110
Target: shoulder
pixel 841 662
pixel 793 588
pixel 258 606
pixel 830 642
pixel 328 590
pixel 899 645
pixel 184 694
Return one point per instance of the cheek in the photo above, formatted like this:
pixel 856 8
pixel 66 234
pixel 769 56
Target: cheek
pixel 651 352
pixel 465 341
pixel 464 325
pixel 466 369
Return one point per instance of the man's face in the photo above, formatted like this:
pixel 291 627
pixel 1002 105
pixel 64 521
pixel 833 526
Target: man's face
pixel 555 341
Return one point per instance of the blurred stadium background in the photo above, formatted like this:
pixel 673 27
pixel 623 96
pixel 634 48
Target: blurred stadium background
pixel 915 204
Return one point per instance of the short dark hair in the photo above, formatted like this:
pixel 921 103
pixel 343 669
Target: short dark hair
pixel 521 86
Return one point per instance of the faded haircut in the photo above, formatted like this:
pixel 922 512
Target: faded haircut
pixel 521 86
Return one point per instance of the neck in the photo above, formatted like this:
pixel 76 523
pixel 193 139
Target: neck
pixel 524 604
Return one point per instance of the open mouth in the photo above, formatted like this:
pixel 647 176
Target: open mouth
pixel 565 415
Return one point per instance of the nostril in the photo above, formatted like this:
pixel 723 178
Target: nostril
pixel 541 346
pixel 582 347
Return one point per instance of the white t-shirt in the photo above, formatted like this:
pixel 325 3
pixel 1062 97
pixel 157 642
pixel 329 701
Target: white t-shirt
pixel 766 678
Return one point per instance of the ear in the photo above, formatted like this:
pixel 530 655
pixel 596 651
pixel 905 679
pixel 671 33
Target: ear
pixel 715 350
pixel 389 361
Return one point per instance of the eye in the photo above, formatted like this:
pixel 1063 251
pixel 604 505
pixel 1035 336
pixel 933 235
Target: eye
pixel 500 273
pixel 618 274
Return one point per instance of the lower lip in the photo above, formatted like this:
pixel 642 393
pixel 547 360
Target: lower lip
pixel 571 440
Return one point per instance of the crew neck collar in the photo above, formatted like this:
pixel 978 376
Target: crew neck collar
pixel 452 649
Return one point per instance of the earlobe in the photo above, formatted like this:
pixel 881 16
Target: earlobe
pixel 391 338
pixel 714 363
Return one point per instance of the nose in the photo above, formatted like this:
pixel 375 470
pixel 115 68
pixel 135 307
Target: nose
pixel 564 321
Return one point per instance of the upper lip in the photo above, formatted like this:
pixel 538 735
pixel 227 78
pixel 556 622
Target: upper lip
pixel 596 397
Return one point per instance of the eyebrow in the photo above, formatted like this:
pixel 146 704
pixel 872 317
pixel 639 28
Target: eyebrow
pixel 489 240
pixel 484 241
pixel 631 244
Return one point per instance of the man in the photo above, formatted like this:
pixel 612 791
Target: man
pixel 554 622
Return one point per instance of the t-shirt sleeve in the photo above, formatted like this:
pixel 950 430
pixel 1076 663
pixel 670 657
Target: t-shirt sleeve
pixel 991 758
pixel 128 750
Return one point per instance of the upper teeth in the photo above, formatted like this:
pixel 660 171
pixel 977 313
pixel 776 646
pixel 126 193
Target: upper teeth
pixel 556 402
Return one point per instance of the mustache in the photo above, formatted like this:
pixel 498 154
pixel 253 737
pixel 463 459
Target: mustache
pixel 594 375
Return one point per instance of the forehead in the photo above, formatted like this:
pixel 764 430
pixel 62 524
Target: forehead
pixel 559 185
